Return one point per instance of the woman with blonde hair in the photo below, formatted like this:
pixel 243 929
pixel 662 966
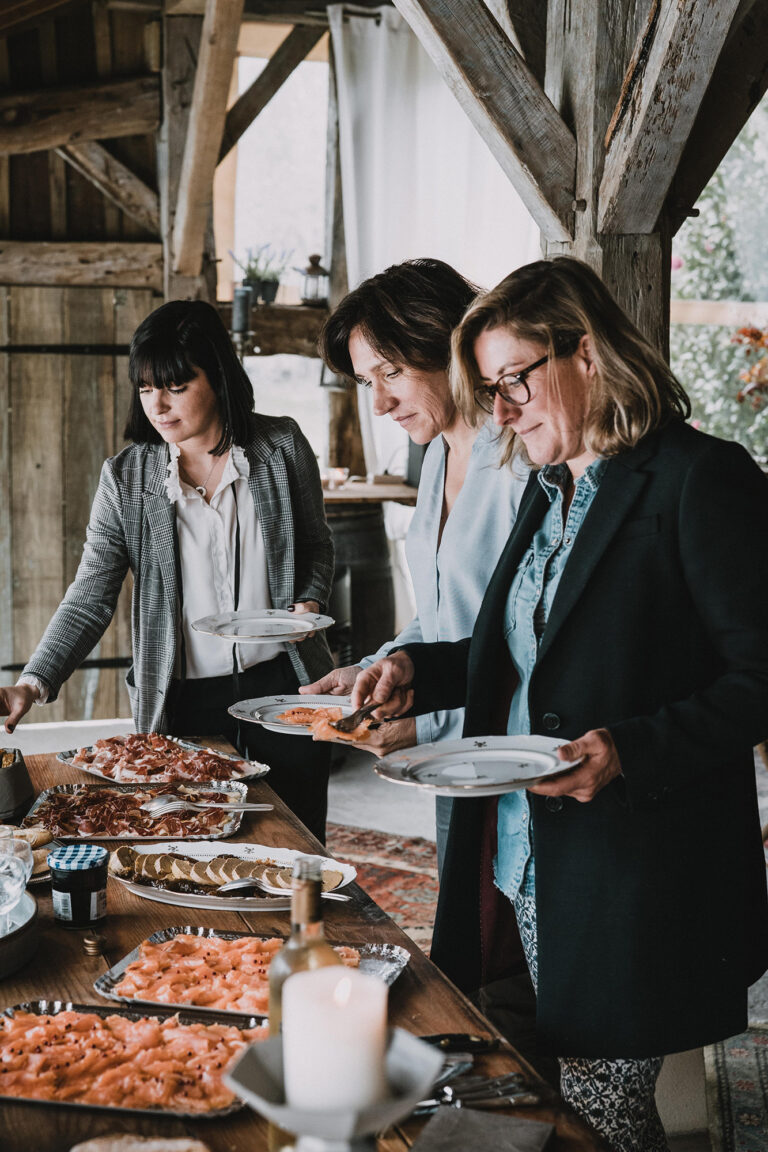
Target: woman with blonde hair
pixel 637 877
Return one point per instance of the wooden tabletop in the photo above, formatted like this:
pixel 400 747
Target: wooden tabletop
pixel 358 492
pixel 422 1000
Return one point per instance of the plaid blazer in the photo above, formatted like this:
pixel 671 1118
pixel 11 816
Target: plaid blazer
pixel 132 527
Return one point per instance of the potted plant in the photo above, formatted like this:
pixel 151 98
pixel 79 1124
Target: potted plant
pixel 262 269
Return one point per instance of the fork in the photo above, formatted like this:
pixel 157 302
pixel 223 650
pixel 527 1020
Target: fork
pixel 161 805
pixel 349 723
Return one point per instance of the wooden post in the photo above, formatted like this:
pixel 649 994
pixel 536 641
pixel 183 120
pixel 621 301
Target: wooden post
pixel 181 40
pixel 588 52
pixel 345 441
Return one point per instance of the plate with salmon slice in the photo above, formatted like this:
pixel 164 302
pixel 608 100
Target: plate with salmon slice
pixel 189 875
pixel 83 1056
pixel 475 766
pixel 291 715
pixel 210 970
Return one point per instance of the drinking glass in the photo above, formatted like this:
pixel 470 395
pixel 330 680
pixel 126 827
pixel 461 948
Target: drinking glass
pixel 13 879
pixel 21 848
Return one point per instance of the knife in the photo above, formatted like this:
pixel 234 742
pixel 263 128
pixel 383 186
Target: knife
pixel 462 1042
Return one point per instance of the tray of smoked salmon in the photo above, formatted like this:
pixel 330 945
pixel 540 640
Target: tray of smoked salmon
pixel 209 970
pixel 151 1061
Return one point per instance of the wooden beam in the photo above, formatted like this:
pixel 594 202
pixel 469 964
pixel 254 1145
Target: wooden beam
pixel 115 181
pixel 530 24
pixel 657 109
pixel 16 13
pixel 51 117
pixel 726 313
pixel 94 265
pixel 295 48
pixel 738 84
pixel 502 98
pixel 218 45
pixel 181 42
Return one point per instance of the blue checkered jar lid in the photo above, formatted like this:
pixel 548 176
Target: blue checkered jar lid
pixel 77 857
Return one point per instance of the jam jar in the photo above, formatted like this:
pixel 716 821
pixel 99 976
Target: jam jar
pixel 79 884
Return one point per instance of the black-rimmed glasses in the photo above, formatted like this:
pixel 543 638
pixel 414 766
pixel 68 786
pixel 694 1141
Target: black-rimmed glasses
pixel 513 386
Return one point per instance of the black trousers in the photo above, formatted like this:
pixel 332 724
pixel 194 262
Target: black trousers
pixel 299 766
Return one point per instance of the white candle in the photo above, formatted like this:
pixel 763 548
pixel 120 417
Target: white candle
pixel 334 1039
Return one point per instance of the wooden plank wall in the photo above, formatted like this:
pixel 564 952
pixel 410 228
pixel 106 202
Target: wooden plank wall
pixel 62 415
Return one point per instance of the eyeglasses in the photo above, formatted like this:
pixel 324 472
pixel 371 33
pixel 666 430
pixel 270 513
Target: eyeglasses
pixel 513 386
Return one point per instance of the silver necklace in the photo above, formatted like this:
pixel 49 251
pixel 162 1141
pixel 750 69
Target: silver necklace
pixel 202 488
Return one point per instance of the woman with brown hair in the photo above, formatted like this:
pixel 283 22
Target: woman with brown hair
pixel 393 334
pixel 637 878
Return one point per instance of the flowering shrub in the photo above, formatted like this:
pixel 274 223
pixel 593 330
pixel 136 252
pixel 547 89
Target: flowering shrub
pixel 723 255
pixel 755 377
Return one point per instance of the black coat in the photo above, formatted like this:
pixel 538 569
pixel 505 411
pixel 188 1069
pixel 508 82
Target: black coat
pixel 651 899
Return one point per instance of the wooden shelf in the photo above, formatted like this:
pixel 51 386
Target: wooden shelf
pixel 282 328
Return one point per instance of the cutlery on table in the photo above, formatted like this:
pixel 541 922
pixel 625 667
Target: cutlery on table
pixel 251 882
pixel 481 1092
pixel 160 805
pixel 462 1042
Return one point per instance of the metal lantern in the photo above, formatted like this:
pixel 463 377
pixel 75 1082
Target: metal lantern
pixel 316 282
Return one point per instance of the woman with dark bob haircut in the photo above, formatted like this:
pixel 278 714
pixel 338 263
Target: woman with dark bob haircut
pixel 212 508
pixel 627 619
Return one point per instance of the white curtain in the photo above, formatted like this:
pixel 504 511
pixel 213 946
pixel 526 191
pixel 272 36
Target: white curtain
pixel 417 180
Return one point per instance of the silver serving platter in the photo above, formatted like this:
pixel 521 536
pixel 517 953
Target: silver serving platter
pixel 203 850
pixel 53 1007
pixel 262 626
pixel 475 766
pixel 255 770
pixel 263 710
pixel 238 791
pixel 386 961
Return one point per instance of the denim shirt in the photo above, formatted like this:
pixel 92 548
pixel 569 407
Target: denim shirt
pixel 529 603
pixel 450 573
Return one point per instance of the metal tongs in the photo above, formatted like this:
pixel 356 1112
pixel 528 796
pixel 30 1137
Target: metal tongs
pixel 348 723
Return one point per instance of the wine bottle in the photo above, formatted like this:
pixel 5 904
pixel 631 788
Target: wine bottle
pixel 306 947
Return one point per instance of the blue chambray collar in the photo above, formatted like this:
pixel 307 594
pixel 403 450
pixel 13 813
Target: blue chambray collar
pixel 554 478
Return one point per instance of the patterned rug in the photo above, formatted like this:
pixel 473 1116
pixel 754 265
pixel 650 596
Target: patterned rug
pixel 399 873
pixel 737 1092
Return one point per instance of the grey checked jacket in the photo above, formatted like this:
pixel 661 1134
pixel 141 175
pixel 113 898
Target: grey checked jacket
pixel 132 527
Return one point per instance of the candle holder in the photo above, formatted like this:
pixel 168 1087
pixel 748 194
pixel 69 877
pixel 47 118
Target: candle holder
pixel 411 1069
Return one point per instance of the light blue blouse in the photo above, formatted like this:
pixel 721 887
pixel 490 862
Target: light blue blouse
pixel 530 599
pixel 450 581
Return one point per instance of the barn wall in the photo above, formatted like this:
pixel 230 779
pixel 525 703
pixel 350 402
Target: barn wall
pixel 63 414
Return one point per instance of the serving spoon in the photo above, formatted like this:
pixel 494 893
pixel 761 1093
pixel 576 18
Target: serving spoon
pixel 252 882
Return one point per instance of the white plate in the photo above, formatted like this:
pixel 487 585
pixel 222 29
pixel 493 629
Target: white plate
pixel 475 766
pixel 264 709
pixel 262 626
pixel 206 850
pixel 253 768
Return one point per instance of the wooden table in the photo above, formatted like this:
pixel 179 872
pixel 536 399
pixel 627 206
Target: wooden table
pixel 422 1001
pixel 357 492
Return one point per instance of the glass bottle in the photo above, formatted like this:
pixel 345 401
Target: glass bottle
pixel 306 947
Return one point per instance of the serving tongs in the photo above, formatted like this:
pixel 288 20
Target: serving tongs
pixel 348 724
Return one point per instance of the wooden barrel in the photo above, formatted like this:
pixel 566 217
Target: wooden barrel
pixel 363 597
